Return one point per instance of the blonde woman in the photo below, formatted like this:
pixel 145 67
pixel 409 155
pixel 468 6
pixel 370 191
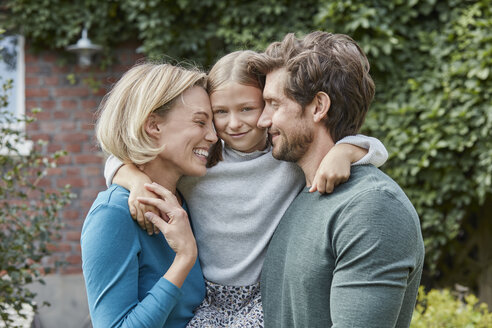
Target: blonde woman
pixel 159 117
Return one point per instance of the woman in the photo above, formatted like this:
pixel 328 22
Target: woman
pixel 159 117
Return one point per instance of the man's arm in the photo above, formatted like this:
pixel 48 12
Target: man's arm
pixel 378 247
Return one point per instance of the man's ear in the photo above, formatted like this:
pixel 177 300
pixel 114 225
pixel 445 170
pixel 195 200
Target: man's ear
pixel 152 126
pixel 321 105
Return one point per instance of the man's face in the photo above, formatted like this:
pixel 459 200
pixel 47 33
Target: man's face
pixel 290 129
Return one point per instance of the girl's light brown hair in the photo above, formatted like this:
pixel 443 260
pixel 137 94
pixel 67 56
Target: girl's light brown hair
pixel 230 68
pixel 145 89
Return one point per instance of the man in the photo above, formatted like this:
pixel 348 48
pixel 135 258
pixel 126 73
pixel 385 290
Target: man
pixel 352 258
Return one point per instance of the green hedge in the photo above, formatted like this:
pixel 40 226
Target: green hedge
pixel 431 60
pixel 442 309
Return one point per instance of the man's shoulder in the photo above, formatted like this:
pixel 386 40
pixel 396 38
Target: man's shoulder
pixel 372 192
pixel 365 179
pixel 367 184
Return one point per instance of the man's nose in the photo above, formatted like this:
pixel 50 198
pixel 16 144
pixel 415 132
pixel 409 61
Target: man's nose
pixel 265 120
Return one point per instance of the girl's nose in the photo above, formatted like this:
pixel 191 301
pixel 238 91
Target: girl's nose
pixel 234 122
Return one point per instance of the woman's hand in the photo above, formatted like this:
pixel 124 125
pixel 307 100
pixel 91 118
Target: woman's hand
pixel 130 177
pixel 335 167
pixel 173 221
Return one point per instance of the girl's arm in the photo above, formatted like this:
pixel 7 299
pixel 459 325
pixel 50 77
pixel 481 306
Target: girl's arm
pixel 131 178
pixel 351 150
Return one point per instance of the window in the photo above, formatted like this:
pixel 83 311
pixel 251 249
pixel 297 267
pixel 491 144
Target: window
pixel 12 67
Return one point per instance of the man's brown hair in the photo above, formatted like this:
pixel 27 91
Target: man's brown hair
pixel 321 61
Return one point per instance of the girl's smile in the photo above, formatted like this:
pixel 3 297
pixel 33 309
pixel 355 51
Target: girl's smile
pixel 236 109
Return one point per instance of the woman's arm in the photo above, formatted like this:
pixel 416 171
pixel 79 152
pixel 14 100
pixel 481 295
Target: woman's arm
pixel 110 257
pixel 174 224
pixel 351 150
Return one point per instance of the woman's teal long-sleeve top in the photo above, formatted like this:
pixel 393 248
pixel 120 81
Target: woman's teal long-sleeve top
pixel 123 269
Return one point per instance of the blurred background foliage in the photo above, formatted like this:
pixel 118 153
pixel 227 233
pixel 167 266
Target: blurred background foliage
pixel 431 60
pixel 29 212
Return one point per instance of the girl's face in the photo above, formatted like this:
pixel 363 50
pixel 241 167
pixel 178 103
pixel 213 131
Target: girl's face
pixel 187 132
pixel 236 109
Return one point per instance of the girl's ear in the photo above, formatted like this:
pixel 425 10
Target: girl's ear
pixel 321 106
pixel 152 126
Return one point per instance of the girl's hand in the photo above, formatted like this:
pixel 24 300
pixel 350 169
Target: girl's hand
pixel 335 167
pixel 130 177
pixel 173 222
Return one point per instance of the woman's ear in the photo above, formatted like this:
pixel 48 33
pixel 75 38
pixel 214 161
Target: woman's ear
pixel 152 126
pixel 321 106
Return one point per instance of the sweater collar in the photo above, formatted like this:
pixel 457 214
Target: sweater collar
pixel 239 155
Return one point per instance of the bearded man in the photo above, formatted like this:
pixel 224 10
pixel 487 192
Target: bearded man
pixel 352 258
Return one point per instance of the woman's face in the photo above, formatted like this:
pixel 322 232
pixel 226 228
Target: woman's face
pixel 237 108
pixel 187 133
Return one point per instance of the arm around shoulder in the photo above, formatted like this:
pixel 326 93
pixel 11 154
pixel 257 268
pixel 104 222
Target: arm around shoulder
pixel 377 153
pixel 112 166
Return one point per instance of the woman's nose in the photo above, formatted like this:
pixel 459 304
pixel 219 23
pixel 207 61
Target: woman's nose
pixel 211 135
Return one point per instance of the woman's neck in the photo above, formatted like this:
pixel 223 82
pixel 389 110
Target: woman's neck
pixel 165 176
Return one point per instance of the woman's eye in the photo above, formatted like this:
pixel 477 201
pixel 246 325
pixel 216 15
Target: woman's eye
pixel 201 122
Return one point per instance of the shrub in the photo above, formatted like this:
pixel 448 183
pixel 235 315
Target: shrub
pixel 28 214
pixel 440 308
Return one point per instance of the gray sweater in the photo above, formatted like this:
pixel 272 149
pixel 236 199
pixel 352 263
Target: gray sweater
pixel 352 258
pixel 236 207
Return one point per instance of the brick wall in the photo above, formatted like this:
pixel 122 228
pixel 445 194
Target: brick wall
pixel 69 97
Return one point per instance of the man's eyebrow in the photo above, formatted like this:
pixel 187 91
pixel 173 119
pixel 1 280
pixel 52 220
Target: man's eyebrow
pixel 270 98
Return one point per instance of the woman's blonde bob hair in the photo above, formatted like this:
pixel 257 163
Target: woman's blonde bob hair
pixel 145 89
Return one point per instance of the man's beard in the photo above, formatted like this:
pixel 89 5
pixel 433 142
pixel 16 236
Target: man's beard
pixel 293 149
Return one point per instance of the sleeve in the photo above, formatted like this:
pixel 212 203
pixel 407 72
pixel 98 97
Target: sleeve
pixel 110 251
pixel 377 154
pixel 112 166
pixel 377 249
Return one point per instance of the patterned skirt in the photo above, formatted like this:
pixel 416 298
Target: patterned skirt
pixel 229 306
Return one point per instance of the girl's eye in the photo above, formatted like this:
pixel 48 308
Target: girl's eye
pixel 220 111
pixel 247 109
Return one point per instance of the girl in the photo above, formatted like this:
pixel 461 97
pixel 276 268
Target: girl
pixel 237 205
